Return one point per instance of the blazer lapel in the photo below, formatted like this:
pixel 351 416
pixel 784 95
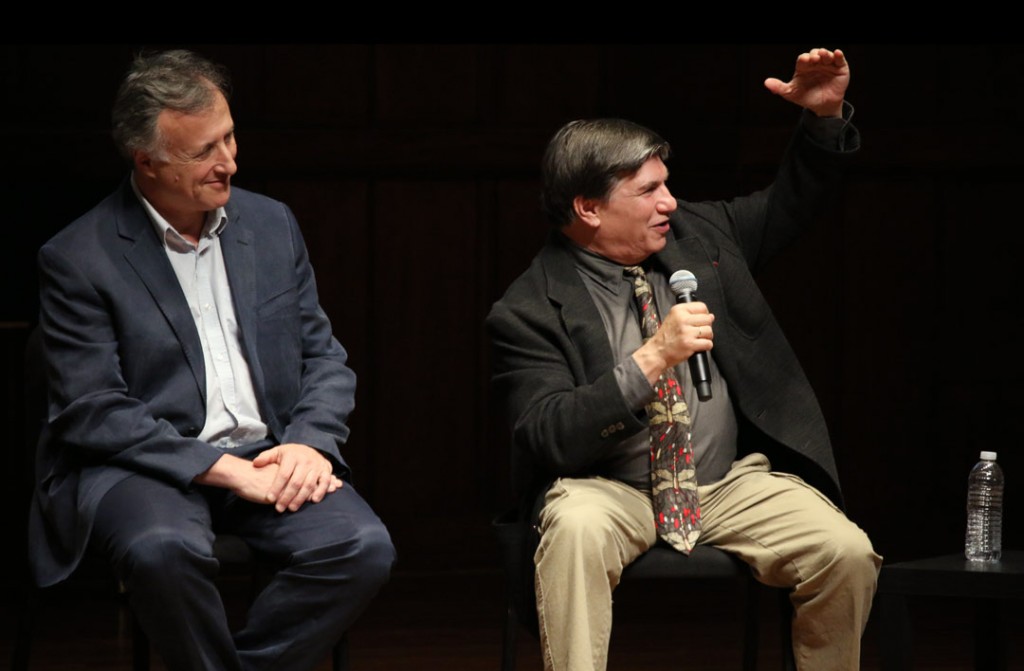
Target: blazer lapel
pixel 580 315
pixel 237 246
pixel 149 261
pixel 688 252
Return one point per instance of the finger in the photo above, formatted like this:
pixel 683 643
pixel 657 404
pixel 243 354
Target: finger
pixel 266 457
pixel 335 483
pixel 840 58
pixel 681 310
pixel 285 474
pixel 705 332
pixel 318 469
pixel 298 490
pixel 323 485
pixel 304 495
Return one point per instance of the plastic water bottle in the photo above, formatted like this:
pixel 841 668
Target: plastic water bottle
pixel 985 510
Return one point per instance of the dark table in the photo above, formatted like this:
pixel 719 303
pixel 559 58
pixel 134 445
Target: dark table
pixel 990 584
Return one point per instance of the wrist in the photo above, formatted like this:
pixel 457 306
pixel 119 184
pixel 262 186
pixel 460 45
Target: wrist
pixel 223 473
pixel 651 361
pixel 830 111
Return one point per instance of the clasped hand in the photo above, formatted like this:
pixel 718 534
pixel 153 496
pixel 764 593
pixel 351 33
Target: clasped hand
pixel 286 476
pixel 303 474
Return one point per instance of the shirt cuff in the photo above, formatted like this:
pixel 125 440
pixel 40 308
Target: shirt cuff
pixel 637 392
pixel 830 132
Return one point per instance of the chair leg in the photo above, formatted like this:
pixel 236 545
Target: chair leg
pixel 339 654
pixel 509 640
pixel 751 625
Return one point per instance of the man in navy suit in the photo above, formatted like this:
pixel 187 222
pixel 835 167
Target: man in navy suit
pixel 195 386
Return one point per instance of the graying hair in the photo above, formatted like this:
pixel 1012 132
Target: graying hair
pixel 177 80
pixel 588 157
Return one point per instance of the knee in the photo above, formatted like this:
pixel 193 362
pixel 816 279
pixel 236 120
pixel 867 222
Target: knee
pixel 574 529
pixel 364 557
pixel 375 554
pixel 577 539
pixel 849 556
pixel 162 556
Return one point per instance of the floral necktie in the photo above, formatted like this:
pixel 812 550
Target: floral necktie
pixel 673 471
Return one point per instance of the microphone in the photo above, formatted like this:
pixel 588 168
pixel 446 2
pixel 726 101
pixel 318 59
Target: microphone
pixel 684 284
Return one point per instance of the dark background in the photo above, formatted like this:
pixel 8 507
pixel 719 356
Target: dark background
pixel 412 170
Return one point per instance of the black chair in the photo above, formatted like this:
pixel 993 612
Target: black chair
pixel 517 540
pixel 234 555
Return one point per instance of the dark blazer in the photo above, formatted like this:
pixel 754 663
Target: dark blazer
pixel 553 363
pixel 127 385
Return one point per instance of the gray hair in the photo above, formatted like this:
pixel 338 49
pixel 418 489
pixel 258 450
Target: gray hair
pixel 588 158
pixel 177 80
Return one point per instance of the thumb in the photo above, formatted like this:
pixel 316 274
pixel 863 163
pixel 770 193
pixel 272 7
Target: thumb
pixel 266 457
pixel 776 86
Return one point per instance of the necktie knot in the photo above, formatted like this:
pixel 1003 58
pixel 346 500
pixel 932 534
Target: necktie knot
pixel 649 320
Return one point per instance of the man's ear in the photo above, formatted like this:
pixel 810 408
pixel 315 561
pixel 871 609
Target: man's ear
pixel 143 163
pixel 587 211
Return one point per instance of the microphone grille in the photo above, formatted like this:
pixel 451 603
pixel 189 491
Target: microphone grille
pixel 682 281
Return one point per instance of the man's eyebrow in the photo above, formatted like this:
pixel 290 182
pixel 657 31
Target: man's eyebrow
pixel 653 183
pixel 210 145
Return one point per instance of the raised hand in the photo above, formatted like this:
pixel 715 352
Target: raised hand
pixel 818 84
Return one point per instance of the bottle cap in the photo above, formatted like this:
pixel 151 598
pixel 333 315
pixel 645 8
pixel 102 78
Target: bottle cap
pixel 988 456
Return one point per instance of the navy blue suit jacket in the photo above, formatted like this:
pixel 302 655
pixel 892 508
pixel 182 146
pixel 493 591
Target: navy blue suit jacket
pixel 125 370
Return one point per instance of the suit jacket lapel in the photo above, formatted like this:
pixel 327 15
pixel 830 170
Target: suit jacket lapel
pixel 237 246
pixel 580 315
pixel 148 259
pixel 688 252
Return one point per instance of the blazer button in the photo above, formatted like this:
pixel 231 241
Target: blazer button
pixel 620 426
pixel 604 433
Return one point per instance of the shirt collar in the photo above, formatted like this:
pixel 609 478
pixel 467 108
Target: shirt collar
pixel 216 220
pixel 605 272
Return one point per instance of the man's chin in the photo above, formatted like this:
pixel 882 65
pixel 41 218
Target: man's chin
pixel 220 197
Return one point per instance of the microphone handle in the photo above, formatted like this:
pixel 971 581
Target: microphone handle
pixel 701 375
pixel 700 370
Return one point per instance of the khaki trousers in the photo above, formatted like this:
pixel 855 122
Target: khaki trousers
pixel 787 531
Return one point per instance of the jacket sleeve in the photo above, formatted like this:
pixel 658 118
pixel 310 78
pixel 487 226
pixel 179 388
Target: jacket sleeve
pixel 565 422
pixel 92 418
pixel 766 221
pixel 326 392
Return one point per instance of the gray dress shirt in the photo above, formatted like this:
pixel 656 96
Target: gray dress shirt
pixel 713 422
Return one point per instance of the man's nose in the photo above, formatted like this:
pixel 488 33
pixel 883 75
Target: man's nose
pixel 226 158
pixel 666 202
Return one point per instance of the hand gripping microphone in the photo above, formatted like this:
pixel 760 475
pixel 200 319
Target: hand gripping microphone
pixel 684 284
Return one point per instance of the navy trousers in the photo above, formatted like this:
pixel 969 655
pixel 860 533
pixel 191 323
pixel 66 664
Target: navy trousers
pixel 332 558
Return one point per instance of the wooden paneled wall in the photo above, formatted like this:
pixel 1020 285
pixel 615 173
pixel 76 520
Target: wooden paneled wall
pixel 413 172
